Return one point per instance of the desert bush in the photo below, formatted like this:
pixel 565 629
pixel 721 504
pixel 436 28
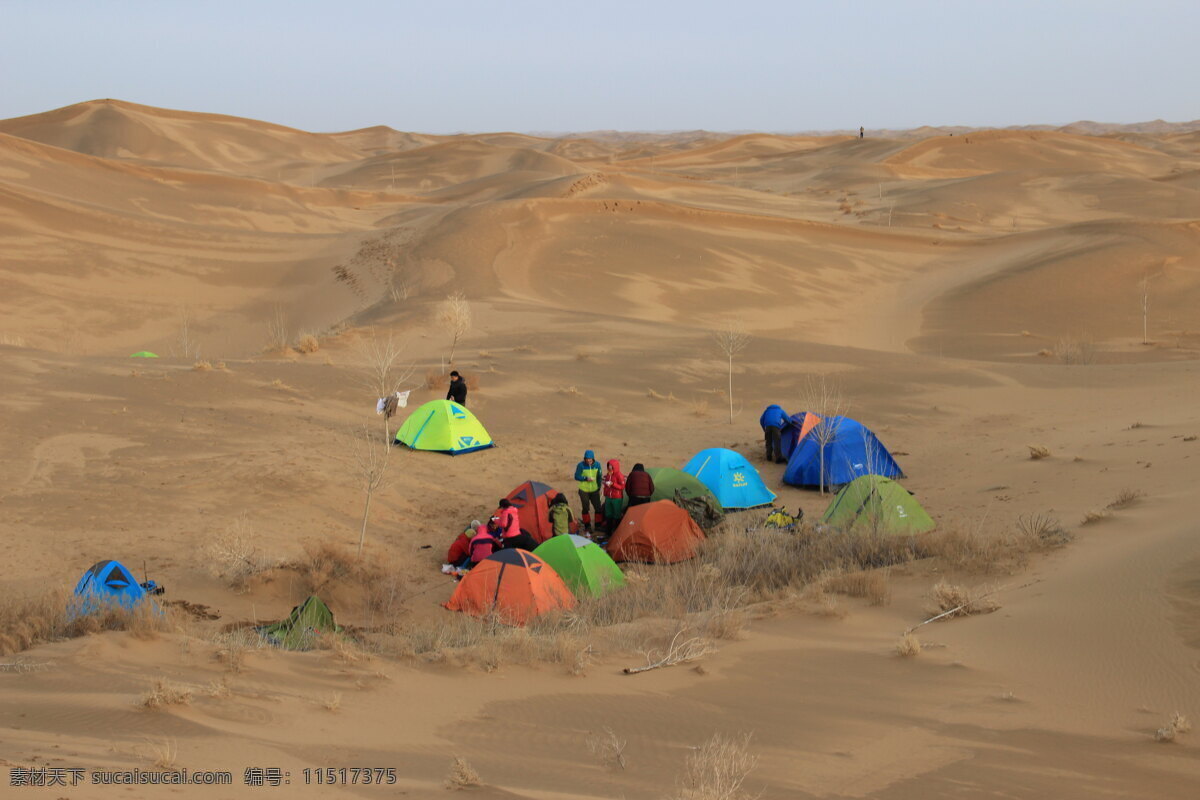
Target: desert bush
pixel 607 748
pixel 308 343
pixel 1071 350
pixel 1037 452
pixel 233 554
pixel 278 332
pixel 1176 725
pixel 164 693
pixel 52 616
pixel 202 366
pixel 908 646
pixel 717 770
pixel 1125 498
pixel 871 585
pixel 958 600
pixel 1093 516
pixel 1043 530
pixel 462 775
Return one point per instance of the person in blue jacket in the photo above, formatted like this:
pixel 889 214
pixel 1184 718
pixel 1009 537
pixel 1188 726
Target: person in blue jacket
pixel 773 421
pixel 588 474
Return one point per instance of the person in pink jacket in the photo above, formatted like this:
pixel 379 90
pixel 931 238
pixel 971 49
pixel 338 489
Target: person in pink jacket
pixel 511 534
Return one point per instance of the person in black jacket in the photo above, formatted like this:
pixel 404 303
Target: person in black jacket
pixel 458 389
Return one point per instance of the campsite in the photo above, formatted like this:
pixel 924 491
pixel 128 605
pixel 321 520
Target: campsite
pixel 239 499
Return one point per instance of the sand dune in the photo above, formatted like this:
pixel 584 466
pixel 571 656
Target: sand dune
pixel 970 296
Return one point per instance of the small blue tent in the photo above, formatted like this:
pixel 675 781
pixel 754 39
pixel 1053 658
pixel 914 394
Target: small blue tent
pixel 850 450
pixel 107 584
pixel 729 476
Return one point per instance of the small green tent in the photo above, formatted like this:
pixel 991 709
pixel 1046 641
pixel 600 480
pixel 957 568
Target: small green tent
pixel 303 626
pixel 445 427
pixel 872 503
pixel 144 354
pixel 581 563
pixel 668 480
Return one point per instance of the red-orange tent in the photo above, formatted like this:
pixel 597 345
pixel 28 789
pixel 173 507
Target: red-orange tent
pixel 516 584
pixel 657 533
pixel 532 501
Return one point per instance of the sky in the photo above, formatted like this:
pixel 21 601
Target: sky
pixel 529 65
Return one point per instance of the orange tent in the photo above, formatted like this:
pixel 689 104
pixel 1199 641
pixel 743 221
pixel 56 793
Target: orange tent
pixel 657 533
pixel 516 584
pixel 532 500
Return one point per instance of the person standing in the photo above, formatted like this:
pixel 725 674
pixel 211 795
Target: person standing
pixel 861 132
pixel 587 474
pixel 458 389
pixel 773 421
pixel 614 495
pixel 639 485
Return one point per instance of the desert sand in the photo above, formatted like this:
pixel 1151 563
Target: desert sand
pixel 971 296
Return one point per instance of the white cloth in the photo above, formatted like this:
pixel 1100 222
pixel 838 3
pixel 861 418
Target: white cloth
pixel 379 405
pixel 402 398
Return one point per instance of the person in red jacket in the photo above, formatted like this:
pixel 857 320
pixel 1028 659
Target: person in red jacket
pixel 459 554
pixel 639 485
pixel 614 495
pixel 484 543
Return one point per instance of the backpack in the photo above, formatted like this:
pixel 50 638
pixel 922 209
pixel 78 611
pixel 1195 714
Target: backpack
pixel 781 519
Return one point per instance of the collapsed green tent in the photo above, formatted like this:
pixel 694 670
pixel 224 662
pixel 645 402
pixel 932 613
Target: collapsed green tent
pixel 303 627
pixel 144 354
pixel 874 504
pixel 444 427
pixel 581 563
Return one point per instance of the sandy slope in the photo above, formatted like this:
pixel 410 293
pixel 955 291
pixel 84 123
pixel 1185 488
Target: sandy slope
pixel 595 268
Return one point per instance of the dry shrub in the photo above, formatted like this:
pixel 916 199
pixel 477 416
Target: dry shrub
pixel 436 379
pixel 232 647
pixel 218 690
pixel 570 391
pixel 202 366
pixel 1094 516
pixel 462 775
pixel 908 646
pixel 871 585
pixel 332 702
pixel 1070 350
pixel 718 769
pixel 959 601
pixel 607 748
pixel 164 693
pixel 53 615
pixel 1177 725
pixel 698 408
pixel 308 344
pixel 524 348
pixel 1125 499
pixel 12 340
pixel 233 554
pixel 1043 531
pixel 162 754
pixel 657 396
pixel 1037 452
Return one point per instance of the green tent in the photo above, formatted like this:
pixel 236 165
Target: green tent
pixel 303 626
pixel 144 354
pixel 581 563
pixel 444 427
pixel 668 480
pixel 872 503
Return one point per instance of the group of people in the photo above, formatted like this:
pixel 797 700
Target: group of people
pixel 602 496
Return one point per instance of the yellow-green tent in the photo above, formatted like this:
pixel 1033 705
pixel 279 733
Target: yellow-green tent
pixel 444 427
pixel 872 503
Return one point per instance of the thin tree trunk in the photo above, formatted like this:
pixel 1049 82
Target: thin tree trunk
pixel 362 536
pixel 730 389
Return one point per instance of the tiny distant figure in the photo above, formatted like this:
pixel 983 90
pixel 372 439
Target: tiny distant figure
pixel 458 389
pixel 773 421
pixel 639 485
pixel 587 474
pixel 560 515
pixel 861 132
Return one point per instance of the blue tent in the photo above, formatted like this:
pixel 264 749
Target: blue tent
pixel 729 476
pixel 851 450
pixel 107 584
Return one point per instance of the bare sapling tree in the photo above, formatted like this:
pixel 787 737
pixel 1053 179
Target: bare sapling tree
pixel 385 372
pixel 1145 291
pixel 731 339
pixel 189 346
pixel 456 315
pixel 369 461
pixel 825 398
pixel 279 335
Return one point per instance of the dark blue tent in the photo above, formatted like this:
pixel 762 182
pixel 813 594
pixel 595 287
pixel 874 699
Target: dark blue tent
pixel 850 450
pixel 105 585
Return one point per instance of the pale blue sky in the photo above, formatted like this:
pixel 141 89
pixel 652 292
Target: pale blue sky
pixel 524 65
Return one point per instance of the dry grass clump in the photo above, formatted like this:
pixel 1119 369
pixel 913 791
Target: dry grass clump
pixel 1125 498
pixel 202 366
pixel 1043 531
pixel 381 582
pixel 1037 452
pixel 164 693
pixel 308 344
pixel 233 554
pixel 332 702
pixel 1069 350
pixel 162 754
pixel 52 616
pixel 1175 726
pixel 232 647
pixel 717 770
pixel 607 748
pixel 871 585
pixel 462 775
pixel 12 340
pixel 959 601
pixel 653 395
pixel 908 646
pixel 1094 516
